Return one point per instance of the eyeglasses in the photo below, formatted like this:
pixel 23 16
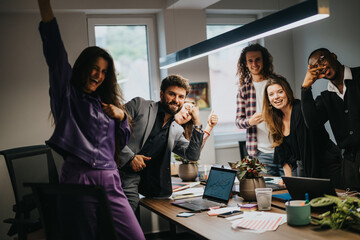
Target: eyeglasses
pixel 320 61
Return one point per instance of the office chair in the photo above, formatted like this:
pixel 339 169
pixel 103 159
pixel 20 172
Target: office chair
pixel 242 148
pixel 70 196
pixel 27 164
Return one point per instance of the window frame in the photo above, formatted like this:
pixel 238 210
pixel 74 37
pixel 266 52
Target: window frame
pixel 224 139
pixel 149 22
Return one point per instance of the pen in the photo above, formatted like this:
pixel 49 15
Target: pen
pixel 306 198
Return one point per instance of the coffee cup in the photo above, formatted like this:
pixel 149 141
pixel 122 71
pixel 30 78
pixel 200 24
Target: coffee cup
pixel 298 212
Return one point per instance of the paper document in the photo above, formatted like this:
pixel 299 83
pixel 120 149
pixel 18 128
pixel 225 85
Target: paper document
pixel 178 186
pixel 188 193
pixel 259 222
pixel 215 212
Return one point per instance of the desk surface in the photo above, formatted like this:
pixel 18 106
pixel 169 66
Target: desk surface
pixel 214 227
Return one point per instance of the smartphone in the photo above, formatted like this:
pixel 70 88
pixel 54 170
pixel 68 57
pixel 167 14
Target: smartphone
pixel 185 214
pixel 229 214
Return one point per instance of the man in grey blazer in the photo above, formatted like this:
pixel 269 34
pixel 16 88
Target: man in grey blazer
pixel 145 161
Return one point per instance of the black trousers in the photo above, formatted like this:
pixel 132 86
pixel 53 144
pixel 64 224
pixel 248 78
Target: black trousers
pixel 350 169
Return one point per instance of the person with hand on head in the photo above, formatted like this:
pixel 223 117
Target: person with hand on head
pixel 254 67
pixel 145 160
pixel 186 117
pixel 305 152
pixel 91 127
pixel 339 105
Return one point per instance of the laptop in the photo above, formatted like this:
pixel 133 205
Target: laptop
pixel 315 187
pixel 217 191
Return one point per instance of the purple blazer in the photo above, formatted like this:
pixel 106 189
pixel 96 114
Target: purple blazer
pixel 82 128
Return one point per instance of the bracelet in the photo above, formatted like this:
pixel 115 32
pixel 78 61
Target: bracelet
pixel 206 132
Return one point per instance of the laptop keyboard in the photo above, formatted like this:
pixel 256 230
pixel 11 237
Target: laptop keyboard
pixel 275 187
pixel 204 203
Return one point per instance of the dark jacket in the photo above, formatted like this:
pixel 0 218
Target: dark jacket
pixel 344 118
pixel 319 155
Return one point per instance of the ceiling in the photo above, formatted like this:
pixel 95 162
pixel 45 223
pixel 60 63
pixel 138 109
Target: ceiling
pixel 189 4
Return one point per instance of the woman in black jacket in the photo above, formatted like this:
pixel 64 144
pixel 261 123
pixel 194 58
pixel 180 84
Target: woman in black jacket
pixel 308 153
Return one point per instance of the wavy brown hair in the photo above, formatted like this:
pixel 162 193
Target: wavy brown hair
pixel 243 72
pixel 109 91
pixel 274 117
pixel 175 80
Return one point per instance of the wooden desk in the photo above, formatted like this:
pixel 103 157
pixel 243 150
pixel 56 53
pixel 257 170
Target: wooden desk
pixel 206 227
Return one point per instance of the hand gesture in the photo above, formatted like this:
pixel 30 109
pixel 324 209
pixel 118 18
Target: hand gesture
pixel 256 119
pixel 313 74
pixel 138 162
pixel 113 112
pixel 213 119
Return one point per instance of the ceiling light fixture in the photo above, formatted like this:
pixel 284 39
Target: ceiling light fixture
pixel 294 16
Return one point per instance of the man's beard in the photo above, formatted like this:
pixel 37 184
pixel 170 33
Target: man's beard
pixel 167 108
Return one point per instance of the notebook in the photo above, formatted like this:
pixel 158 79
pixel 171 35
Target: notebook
pixel 315 187
pixel 217 191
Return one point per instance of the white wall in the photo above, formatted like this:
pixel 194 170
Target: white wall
pixel 24 87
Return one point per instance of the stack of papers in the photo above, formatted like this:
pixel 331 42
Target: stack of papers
pixel 188 193
pixel 215 212
pixel 258 222
pixel 178 186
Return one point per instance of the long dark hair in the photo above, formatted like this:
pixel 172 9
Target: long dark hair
pixel 109 91
pixel 243 71
pixel 274 117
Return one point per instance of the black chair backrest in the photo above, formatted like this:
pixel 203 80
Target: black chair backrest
pixel 48 197
pixel 29 164
pixel 242 148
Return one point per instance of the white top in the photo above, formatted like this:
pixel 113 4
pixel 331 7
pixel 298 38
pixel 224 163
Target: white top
pixel 264 144
pixel 333 88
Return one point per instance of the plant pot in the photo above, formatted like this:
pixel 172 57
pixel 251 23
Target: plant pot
pixel 188 172
pixel 247 187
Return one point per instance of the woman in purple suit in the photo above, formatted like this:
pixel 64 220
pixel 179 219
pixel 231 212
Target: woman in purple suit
pixel 89 115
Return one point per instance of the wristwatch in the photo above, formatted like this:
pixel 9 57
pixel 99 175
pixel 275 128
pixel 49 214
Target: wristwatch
pixel 197 126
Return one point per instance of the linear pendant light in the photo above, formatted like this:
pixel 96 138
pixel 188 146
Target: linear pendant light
pixel 294 16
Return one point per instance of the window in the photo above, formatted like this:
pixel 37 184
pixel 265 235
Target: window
pixel 224 82
pixel 130 41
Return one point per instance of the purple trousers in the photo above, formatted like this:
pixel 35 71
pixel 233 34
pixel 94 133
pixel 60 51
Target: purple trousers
pixel 76 171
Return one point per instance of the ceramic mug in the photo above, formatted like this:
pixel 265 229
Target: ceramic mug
pixel 298 213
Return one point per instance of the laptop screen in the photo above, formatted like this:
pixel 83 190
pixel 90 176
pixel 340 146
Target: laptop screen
pixel 315 187
pixel 219 184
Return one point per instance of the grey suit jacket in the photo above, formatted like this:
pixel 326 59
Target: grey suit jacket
pixel 143 113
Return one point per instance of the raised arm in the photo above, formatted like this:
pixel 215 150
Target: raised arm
pixel 212 121
pixel 45 10
pixel 56 58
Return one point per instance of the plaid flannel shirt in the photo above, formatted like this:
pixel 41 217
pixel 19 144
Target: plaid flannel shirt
pixel 246 107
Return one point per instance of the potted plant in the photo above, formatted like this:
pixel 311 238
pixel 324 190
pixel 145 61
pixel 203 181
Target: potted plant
pixel 248 173
pixel 188 170
pixel 345 212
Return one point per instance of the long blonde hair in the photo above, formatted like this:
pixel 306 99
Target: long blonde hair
pixel 274 117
